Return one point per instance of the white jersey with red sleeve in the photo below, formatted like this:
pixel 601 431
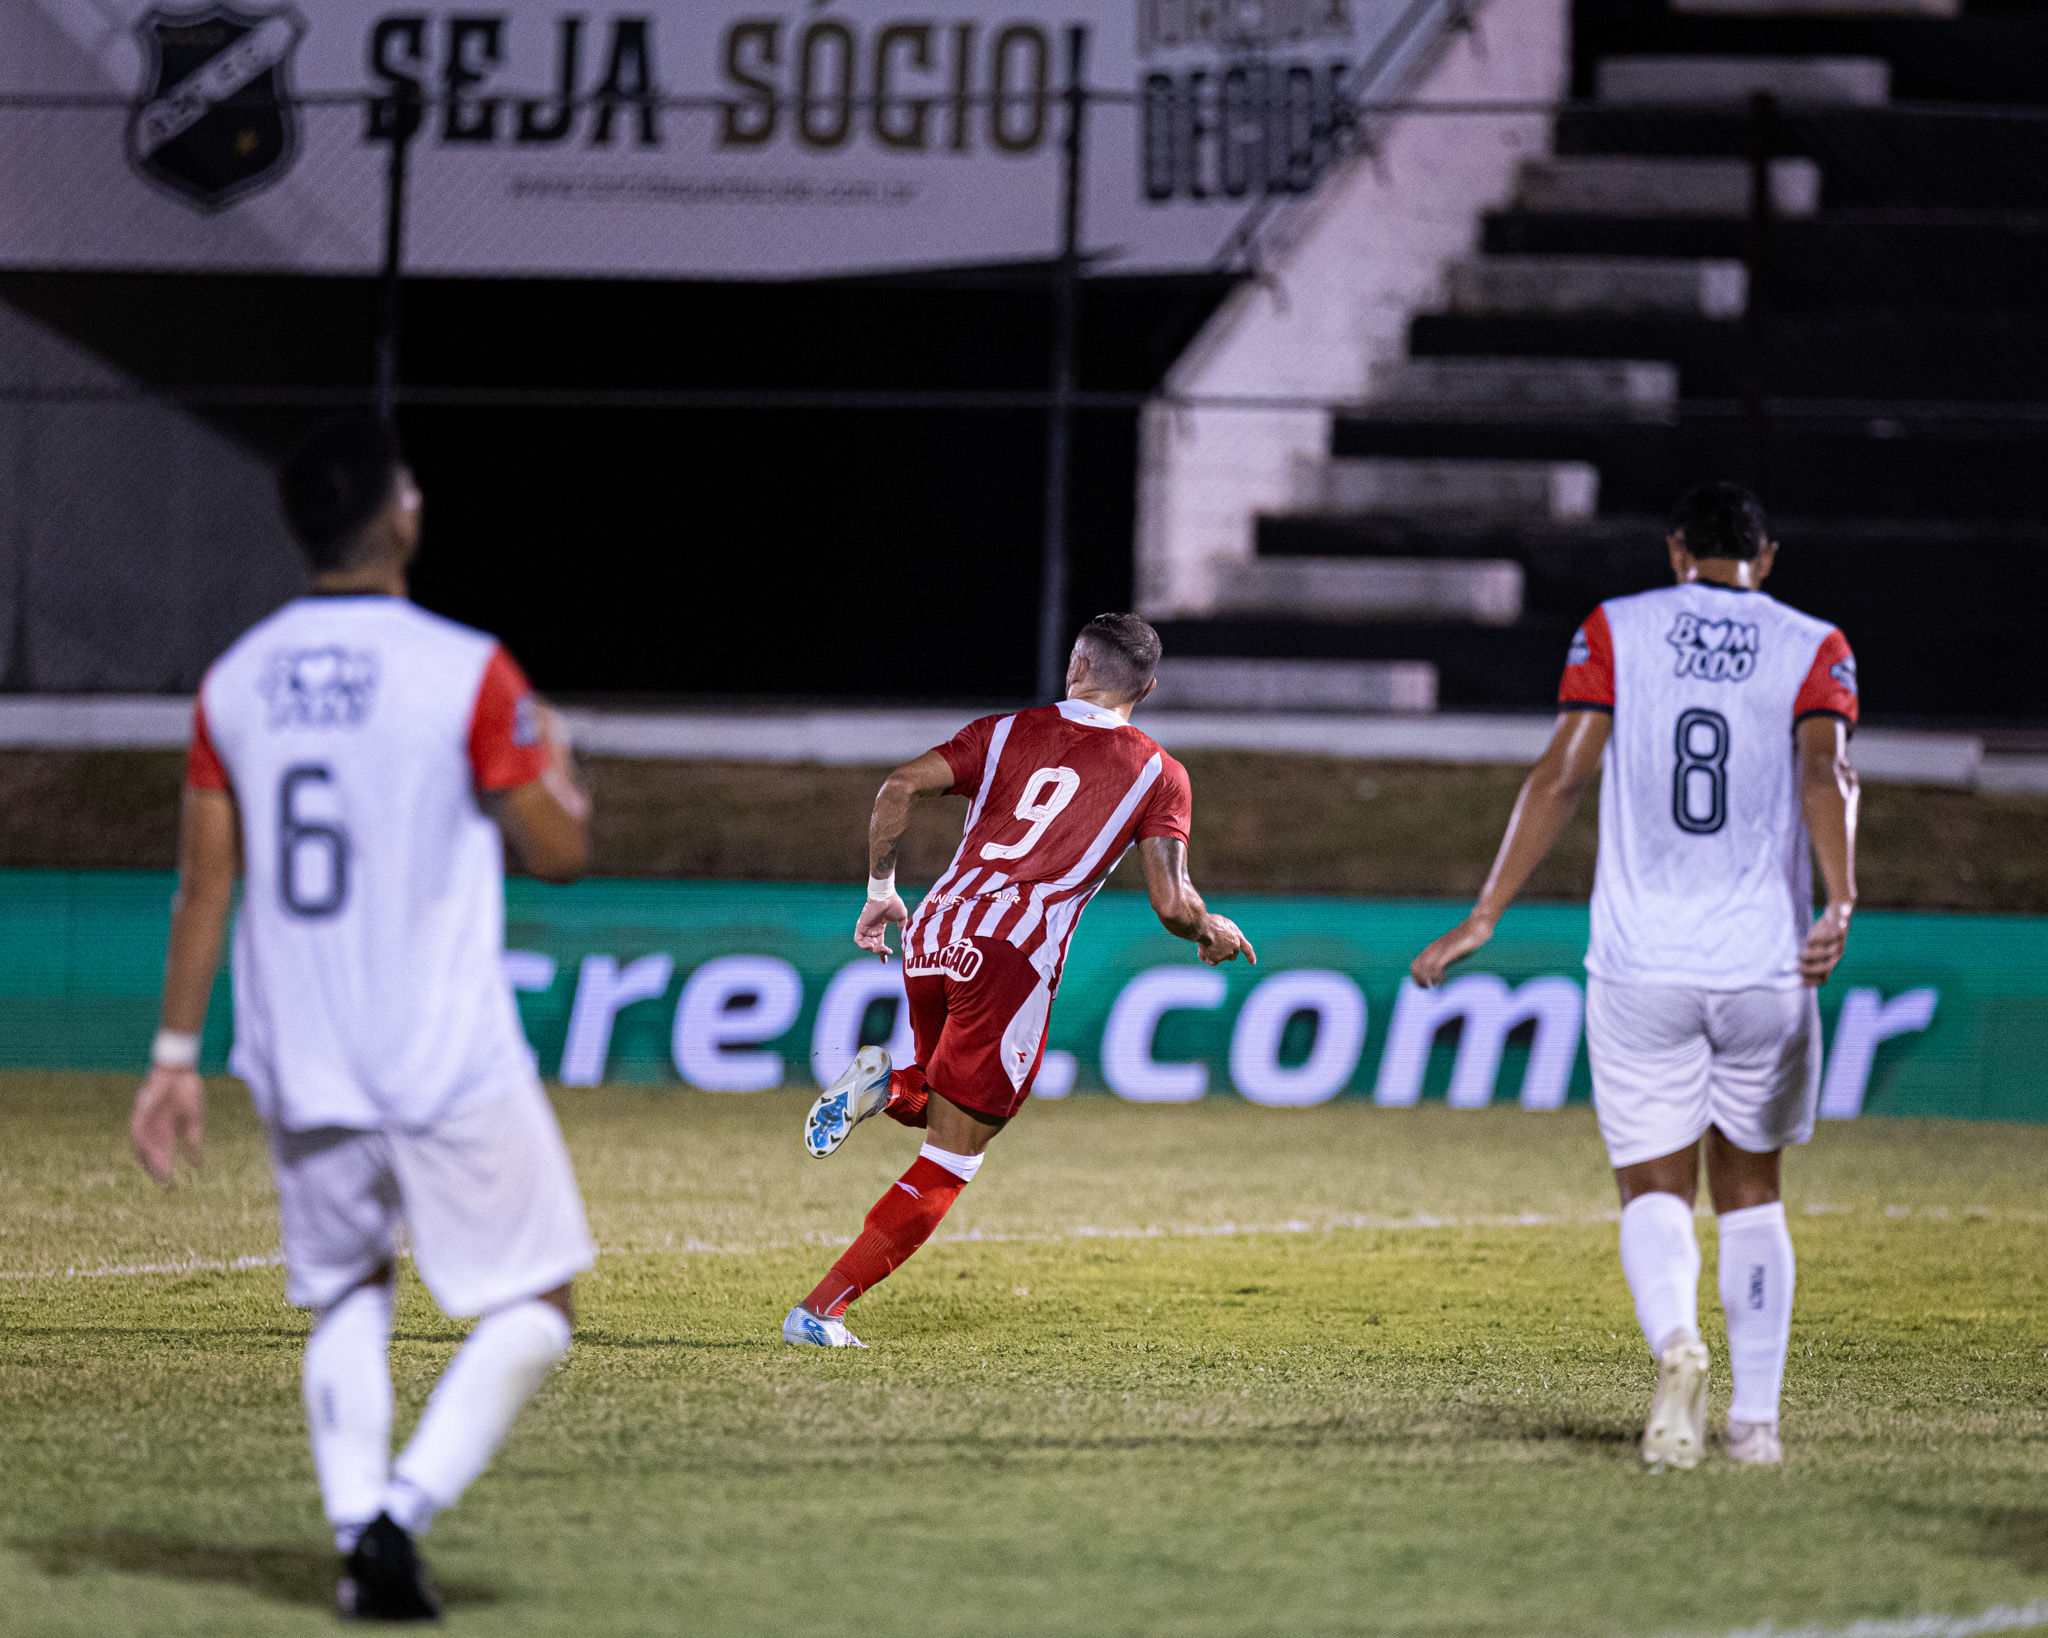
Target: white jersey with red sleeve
pixel 356 734
pixel 1057 795
pixel 1705 871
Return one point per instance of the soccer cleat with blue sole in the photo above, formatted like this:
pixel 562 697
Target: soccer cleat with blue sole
pixel 809 1330
pixel 863 1090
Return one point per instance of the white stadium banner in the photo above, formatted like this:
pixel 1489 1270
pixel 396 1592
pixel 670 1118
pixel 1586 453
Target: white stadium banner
pixel 815 136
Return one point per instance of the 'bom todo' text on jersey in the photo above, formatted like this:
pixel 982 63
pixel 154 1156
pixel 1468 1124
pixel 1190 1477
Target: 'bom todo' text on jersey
pixel 1713 650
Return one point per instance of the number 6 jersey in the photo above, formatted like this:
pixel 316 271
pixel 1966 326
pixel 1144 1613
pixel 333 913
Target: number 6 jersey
pixel 1705 873
pixel 356 733
pixel 1056 795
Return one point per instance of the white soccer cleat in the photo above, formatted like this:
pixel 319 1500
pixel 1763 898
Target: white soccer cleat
pixel 1754 1444
pixel 808 1330
pixel 863 1090
pixel 1676 1435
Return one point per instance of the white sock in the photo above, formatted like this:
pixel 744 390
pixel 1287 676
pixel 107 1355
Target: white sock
pixel 348 1407
pixel 1660 1258
pixel 961 1166
pixel 1757 1276
pixel 471 1408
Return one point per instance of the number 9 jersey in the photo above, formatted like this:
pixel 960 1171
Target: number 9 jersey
pixel 1705 871
pixel 1056 795
pixel 357 733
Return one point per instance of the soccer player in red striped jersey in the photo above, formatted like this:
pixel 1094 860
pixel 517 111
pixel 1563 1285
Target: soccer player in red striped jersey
pixel 1058 794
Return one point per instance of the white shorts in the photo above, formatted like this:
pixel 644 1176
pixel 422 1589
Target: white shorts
pixel 1669 1061
pixel 488 1195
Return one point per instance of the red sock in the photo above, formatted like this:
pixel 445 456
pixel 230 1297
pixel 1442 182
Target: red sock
pixel 907 1096
pixel 900 1222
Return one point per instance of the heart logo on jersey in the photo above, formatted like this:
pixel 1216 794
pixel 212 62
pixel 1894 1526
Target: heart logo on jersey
pixel 1714 650
pixel 320 687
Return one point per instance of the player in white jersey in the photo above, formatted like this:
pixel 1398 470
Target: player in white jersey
pixel 357 759
pixel 1722 718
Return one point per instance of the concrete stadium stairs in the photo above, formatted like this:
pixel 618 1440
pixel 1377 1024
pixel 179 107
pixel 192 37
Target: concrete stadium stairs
pixel 1872 356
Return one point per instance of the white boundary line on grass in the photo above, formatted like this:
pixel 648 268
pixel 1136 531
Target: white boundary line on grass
pixel 1999 1618
pixel 1339 1223
pixel 691 1246
pixel 118 1271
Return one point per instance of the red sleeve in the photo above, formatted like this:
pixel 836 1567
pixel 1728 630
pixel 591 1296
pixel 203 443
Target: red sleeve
pixel 1830 686
pixel 1589 667
pixel 1171 805
pixel 506 746
pixel 203 770
pixel 965 754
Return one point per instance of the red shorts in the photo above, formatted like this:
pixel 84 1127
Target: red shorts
pixel 979 1010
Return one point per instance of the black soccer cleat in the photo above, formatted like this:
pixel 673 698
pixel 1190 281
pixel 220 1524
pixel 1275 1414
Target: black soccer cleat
pixel 385 1580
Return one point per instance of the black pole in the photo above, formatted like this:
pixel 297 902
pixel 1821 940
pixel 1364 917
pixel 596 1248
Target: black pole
pixel 396 119
pixel 1059 432
pixel 1763 143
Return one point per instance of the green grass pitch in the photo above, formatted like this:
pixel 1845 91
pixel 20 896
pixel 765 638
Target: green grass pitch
pixel 1203 1370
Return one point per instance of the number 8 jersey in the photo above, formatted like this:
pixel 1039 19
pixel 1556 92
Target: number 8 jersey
pixel 356 734
pixel 1705 872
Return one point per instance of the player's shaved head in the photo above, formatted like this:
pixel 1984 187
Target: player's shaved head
pixel 1720 520
pixel 1123 653
pixel 335 483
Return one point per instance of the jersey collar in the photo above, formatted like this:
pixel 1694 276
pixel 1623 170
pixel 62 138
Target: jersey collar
pixel 1092 716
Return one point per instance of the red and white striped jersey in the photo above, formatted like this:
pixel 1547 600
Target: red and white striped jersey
pixel 1058 794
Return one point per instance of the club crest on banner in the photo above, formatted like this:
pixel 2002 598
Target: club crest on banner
pixel 212 122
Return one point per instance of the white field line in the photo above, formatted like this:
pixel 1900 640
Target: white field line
pixel 1343 1223
pixel 1347 1222
pixel 1999 1618
pixel 1338 1223
pixel 122 1271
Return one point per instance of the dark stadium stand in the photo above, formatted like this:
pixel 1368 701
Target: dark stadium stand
pixel 1882 386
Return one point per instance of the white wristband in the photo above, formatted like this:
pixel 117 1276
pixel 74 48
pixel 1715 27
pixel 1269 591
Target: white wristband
pixel 881 888
pixel 174 1049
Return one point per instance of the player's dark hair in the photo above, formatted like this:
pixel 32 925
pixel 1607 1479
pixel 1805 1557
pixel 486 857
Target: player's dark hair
pixel 334 482
pixel 1720 520
pixel 1123 653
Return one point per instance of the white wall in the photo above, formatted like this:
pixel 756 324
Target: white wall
pixel 1364 253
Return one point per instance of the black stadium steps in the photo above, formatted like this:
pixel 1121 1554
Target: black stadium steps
pixel 1992 53
pixel 1879 468
pixel 1869 157
pixel 1943 615
pixel 1926 261
pixel 1566 567
pixel 1937 357
pixel 1477 666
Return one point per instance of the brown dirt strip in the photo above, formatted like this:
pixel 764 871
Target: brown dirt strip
pixel 1263 823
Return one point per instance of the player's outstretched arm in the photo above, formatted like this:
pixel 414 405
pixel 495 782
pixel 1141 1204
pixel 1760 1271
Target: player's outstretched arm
pixel 927 775
pixel 1828 795
pixel 1180 908
pixel 1550 796
pixel 547 820
pixel 170 1107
